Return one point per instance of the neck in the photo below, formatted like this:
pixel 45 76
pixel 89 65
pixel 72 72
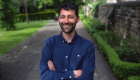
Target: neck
pixel 68 37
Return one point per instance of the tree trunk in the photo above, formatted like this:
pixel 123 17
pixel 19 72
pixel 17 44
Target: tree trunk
pixel 26 11
pixel 118 1
pixel 44 7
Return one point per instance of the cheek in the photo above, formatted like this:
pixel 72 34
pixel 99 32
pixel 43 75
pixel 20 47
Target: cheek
pixel 60 21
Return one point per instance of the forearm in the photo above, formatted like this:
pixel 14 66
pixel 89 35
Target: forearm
pixel 85 77
pixel 56 75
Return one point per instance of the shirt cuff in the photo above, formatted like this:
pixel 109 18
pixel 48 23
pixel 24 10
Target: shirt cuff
pixel 69 75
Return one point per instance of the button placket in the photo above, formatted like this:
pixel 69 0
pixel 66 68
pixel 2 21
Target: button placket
pixel 66 56
pixel 78 55
pixel 61 78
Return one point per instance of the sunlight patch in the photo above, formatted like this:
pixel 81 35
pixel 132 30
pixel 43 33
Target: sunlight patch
pixel 1 34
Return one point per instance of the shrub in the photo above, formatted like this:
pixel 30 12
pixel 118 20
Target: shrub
pixel 83 16
pixel 96 24
pixel 121 69
pixel 134 78
pixel 7 13
pixel 35 16
pixel 92 24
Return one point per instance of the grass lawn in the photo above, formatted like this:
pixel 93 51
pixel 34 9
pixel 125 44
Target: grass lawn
pixel 9 39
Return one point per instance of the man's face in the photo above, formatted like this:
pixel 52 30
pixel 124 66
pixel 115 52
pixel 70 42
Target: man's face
pixel 67 20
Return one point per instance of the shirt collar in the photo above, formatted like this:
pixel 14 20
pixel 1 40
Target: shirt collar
pixel 73 39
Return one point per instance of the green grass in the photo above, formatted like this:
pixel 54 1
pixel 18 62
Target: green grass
pixel 9 39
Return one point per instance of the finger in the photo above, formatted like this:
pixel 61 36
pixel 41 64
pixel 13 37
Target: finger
pixel 51 64
pixel 50 67
pixel 53 67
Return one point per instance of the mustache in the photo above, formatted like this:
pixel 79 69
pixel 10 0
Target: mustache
pixel 66 24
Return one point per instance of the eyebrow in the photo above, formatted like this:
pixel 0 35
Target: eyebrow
pixel 64 15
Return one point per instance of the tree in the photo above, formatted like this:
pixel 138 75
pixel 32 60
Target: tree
pixel 8 12
pixel 118 1
pixel 26 3
pixel 44 2
pixel 26 11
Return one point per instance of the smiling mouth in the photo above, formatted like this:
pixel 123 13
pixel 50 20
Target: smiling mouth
pixel 66 26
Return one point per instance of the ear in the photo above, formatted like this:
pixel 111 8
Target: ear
pixel 78 19
pixel 58 18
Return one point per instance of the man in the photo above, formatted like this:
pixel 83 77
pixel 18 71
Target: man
pixel 67 56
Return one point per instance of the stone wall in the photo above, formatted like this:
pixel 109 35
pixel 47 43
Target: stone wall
pixel 124 16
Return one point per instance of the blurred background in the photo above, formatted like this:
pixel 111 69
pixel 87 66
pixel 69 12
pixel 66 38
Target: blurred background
pixel 114 25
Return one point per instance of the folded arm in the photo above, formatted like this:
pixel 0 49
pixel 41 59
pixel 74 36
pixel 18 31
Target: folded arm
pixel 88 65
pixel 45 72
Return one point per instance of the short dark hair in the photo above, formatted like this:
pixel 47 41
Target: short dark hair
pixel 68 6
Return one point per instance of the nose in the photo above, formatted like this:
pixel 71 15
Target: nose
pixel 66 20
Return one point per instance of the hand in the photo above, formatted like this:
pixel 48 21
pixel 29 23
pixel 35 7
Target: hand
pixel 77 73
pixel 51 65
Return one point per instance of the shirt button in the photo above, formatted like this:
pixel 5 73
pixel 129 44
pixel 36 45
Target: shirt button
pixel 70 77
pixel 62 78
pixel 78 55
pixel 66 56
pixel 65 69
pixel 63 41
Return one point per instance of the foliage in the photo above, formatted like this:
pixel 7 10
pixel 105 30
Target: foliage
pixel 94 25
pixel 36 16
pixel 121 69
pixel 19 5
pixel 7 17
pixel 83 16
pixel 134 78
pixel 129 51
pixel 81 10
pixel 112 38
pixel 46 2
pixel 79 3
pixel 94 8
pixel 12 38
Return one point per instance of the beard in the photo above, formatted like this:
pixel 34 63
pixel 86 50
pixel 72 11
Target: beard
pixel 71 29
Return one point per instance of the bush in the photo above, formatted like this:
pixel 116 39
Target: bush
pixel 83 16
pixel 134 78
pixel 111 38
pixel 35 16
pixel 92 24
pixel 96 24
pixel 7 13
pixel 121 69
pixel 49 10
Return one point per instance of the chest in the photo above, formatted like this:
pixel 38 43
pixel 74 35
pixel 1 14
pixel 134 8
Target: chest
pixel 69 55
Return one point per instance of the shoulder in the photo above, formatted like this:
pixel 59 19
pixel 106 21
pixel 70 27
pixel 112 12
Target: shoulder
pixel 85 42
pixel 51 40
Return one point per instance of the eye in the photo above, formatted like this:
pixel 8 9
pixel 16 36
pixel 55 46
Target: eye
pixel 70 17
pixel 61 17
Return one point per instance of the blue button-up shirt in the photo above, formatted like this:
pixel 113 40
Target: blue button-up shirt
pixel 67 57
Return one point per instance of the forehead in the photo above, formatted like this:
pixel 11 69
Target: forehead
pixel 67 12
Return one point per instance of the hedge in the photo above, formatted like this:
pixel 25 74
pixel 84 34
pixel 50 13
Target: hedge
pixel 35 16
pixel 88 27
pixel 134 78
pixel 121 69
pixel 56 10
